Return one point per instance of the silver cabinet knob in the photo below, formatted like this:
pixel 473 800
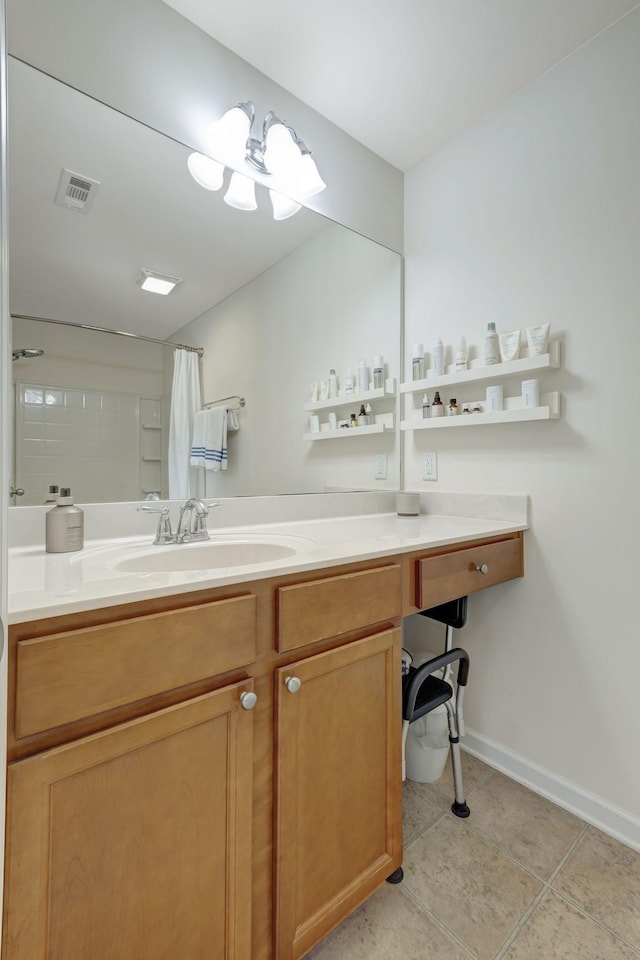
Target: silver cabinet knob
pixel 16 492
pixel 293 684
pixel 248 700
pixel 482 568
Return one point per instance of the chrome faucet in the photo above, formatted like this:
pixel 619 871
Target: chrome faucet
pixel 192 526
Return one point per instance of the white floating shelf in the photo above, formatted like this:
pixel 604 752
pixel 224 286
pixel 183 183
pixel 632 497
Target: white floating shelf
pixel 345 432
pixel 515 412
pixel 350 400
pixel 479 371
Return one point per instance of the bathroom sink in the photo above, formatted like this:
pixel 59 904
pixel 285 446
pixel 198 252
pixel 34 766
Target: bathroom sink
pixel 205 556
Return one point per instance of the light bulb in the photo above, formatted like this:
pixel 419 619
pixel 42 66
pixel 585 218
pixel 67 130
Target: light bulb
pixel 281 154
pixel 205 171
pixel 309 180
pixel 241 193
pixel 283 207
pixel 228 136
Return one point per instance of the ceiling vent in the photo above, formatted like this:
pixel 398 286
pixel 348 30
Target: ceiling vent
pixel 76 191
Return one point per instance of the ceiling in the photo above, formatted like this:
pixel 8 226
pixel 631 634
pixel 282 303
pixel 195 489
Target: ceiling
pixel 403 76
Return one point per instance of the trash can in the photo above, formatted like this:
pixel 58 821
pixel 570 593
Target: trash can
pixel 427 744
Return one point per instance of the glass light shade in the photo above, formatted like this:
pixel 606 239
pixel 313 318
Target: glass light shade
pixel 283 207
pixel 228 135
pixel 309 180
pixel 281 154
pixel 241 193
pixel 205 171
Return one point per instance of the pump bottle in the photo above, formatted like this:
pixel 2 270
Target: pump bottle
pixel 64 525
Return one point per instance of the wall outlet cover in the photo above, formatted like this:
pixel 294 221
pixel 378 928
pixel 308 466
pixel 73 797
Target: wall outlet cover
pixel 381 467
pixel 430 466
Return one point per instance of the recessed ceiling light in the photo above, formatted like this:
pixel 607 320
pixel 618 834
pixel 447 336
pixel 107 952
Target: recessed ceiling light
pixel 157 282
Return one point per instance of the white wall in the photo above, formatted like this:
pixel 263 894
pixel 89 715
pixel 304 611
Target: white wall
pixel 331 303
pixel 143 58
pixel 532 215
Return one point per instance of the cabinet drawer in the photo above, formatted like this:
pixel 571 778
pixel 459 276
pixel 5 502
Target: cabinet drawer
pixel 319 609
pixel 450 575
pixel 67 676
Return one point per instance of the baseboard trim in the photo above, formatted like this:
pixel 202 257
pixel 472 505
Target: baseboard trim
pixel 590 807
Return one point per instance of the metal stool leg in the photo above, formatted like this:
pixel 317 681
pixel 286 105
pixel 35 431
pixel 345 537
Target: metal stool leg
pixel 459 806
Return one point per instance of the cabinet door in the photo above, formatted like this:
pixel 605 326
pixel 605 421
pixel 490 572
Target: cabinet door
pixel 339 786
pixel 134 843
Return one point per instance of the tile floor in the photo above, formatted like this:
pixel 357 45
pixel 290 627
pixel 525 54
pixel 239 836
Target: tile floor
pixel 521 879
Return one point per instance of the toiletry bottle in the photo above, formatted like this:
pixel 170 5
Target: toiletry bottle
pixel 378 373
pixel 363 377
pixel 426 409
pixel 461 355
pixel 64 525
pixel 348 381
pixel 437 407
pixel 437 357
pixel 333 384
pixel 354 420
pixel 453 409
pixel 369 413
pixel 363 420
pixel 491 346
pixel 417 364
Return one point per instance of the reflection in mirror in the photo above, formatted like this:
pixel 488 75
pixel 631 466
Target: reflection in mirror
pixel 275 305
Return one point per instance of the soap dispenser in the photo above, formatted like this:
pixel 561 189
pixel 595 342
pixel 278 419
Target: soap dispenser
pixel 64 525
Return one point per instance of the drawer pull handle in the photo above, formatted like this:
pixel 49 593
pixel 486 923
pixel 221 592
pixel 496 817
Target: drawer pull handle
pixel 293 684
pixel 482 568
pixel 248 700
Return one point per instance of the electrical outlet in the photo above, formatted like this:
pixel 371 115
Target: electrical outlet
pixel 430 466
pixel 381 467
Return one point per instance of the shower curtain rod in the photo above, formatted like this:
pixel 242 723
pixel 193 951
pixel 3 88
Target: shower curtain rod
pixel 118 333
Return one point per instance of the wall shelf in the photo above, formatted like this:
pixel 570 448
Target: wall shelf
pixel 352 399
pixel 344 432
pixel 514 412
pixel 479 371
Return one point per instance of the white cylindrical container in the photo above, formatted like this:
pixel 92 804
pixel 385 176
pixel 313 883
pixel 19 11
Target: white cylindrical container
pixel 333 421
pixel 530 393
pixel 437 357
pixel 64 525
pixel 314 423
pixel 495 398
pixel 407 504
pixel 333 384
pixel 491 345
pixel 461 354
pixel 348 381
pixel 363 377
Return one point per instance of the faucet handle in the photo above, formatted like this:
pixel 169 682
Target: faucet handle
pixel 163 533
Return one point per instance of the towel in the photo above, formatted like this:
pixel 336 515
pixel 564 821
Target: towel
pixel 209 446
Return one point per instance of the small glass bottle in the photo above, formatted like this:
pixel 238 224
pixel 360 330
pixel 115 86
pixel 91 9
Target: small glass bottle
pixel 426 409
pixel 369 413
pixel 453 409
pixel 417 364
pixel 437 407
pixel 363 419
pixel 354 420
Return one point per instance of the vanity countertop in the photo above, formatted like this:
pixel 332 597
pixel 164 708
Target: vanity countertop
pixel 43 585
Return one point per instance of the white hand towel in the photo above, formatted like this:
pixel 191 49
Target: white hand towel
pixel 209 447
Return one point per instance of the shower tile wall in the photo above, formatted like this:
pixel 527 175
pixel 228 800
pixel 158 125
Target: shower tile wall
pixel 86 440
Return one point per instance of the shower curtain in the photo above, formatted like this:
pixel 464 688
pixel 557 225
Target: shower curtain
pixel 184 480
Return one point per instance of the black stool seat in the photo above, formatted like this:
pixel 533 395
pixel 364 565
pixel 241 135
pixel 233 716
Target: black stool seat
pixel 432 692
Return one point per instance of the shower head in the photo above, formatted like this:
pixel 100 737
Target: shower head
pixel 26 353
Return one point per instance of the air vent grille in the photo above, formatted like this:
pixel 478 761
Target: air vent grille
pixel 76 192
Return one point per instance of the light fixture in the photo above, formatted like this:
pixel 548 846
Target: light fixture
pixel 241 193
pixel 157 282
pixel 280 153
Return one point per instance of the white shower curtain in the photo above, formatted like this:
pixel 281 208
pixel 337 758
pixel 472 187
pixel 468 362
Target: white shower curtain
pixel 184 480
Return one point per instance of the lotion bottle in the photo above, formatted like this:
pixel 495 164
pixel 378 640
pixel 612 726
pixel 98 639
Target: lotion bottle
pixel 363 377
pixel 378 373
pixel 333 384
pixel 417 362
pixel 426 409
pixel 64 525
pixel 437 407
pixel 491 346
pixel 438 357
pixel 461 355
pixel 348 381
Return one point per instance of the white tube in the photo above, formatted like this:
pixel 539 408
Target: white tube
pixel 510 345
pixel 537 339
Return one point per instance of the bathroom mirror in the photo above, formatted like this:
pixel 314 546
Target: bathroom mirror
pixel 274 304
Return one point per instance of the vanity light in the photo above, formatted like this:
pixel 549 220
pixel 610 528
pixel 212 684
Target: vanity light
pixel 241 193
pixel 280 153
pixel 157 282
pixel 283 207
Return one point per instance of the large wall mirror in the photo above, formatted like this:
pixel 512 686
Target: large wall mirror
pixel 274 305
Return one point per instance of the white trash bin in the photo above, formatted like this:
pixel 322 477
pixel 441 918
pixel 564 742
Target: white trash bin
pixel 427 743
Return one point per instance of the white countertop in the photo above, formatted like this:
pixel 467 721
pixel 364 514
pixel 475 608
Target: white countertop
pixel 43 585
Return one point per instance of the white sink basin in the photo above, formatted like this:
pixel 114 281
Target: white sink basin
pixel 205 556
